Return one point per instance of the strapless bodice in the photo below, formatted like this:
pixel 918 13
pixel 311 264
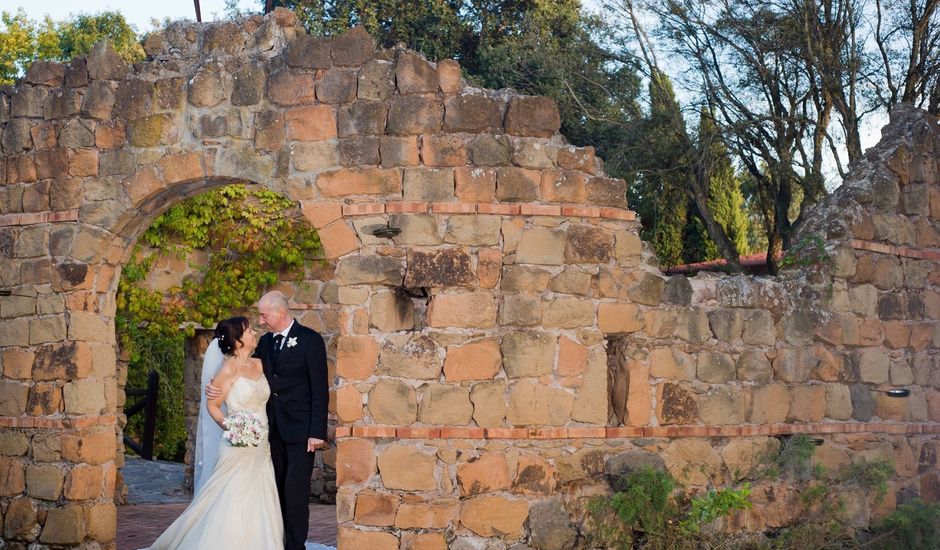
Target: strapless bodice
pixel 250 396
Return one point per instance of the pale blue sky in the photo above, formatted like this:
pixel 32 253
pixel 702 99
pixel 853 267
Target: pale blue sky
pixel 137 12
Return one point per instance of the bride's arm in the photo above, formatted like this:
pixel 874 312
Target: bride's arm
pixel 223 380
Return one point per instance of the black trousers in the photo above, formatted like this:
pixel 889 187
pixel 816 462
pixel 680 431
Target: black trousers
pixel 293 466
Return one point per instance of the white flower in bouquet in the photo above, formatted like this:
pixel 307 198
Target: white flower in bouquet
pixel 242 429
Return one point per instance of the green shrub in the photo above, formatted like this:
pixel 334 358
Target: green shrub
pixel 911 526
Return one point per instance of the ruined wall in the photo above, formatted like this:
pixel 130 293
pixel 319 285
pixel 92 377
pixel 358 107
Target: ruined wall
pixel 473 350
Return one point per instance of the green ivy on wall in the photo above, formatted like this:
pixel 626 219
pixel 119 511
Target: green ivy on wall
pixel 249 238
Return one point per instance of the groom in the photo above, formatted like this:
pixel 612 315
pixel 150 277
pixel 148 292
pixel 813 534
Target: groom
pixel 294 361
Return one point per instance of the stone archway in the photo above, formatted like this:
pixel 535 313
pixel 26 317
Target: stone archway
pixel 475 346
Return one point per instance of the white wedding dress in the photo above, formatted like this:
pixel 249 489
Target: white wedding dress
pixel 237 507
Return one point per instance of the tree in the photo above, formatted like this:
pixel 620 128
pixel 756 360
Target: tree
pixel 23 41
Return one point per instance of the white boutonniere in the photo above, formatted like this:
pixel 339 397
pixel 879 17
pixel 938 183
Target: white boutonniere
pixel 292 341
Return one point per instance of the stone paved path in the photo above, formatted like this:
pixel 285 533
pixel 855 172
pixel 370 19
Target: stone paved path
pixel 155 498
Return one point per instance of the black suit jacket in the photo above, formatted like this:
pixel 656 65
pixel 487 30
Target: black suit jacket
pixel 299 384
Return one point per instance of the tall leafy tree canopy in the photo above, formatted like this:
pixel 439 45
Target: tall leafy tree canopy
pixel 23 40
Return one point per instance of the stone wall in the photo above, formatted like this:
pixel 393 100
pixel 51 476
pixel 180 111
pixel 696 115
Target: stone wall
pixel 513 342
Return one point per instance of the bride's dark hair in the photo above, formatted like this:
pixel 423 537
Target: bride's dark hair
pixel 229 331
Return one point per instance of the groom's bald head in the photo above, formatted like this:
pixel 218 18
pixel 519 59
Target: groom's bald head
pixel 273 311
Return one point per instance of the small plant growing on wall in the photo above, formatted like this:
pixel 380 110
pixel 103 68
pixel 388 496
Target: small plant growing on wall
pixel 250 237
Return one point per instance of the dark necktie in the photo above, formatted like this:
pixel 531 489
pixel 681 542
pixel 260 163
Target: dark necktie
pixel 278 338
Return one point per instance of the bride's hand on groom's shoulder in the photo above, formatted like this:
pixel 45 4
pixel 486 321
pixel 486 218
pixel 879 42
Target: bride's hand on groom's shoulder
pixel 212 392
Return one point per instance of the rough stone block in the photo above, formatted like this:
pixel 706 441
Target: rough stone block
pixel 314 156
pixel 489 150
pixel 672 363
pixel 525 278
pixel 616 318
pixel 759 328
pixel 359 151
pixel 356 357
pixel 12 477
pixel 373 181
pixel 873 366
pixel 410 356
pixel 795 365
pixel 311 123
pixel 376 509
pixel 362 117
pixel 465 310
pixel 44 481
pixel 569 312
pixel 606 192
pixel 287 87
pixel 486 474
pixel 309 52
pixel 532 116
pixel 377 80
pixel 489 403
pixel 563 186
pixel 392 402
pixel 418 475
pixel 413 115
pixel 445 404
pixel 415 75
pixel 64 526
pixel 723 406
pixel 247 86
pixel 588 244
pixel 428 185
pixel 399 151
pixel 390 312
pixel 770 404
pixel 473 113
pixel 535 404
pixel 753 365
pixel 517 184
pixel 337 86
pixel 528 354
pixel 348 404
pixel 356 461
pixel 491 516
pixel 807 403
pixel 479 360
pixel 209 86
pixel 444 150
pixel 475 184
pixel 443 268
pixel 541 246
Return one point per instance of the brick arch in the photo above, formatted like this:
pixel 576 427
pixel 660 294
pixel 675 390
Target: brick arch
pixel 475 347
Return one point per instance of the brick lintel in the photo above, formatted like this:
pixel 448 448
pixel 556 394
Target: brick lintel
pixel 553 432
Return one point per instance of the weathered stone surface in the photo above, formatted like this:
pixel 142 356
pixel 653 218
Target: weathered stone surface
pixel 541 246
pixel 348 403
pixel 676 405
pixel 489 403
pixel 362 269
pixel 356 462
pixel 614 317
pixel 795 365
pixel 359 151
pixel 376 509
pixel 588 244
pixel 337 86
pixel 377 80
pixel 873 365
pixel 417 512
pixel 392 402
pixel 390 312
pixel 517 184
pixel 64 525
pixel 479 360
pixel 356 357
pixel 672 363
pixel 413 115
pixel 692 461
pixel 422 184
pixel 445 404
pixel 535 476
pixel 568 312
pixel 571 281
pixel 480 230
pixel 531 403
pixel 528 354
pixel 532 116
pixel 362 117
pixel 629 462
pixel 486 474
pixel 550 526
pixel 309 52
pixel 533 153
pixel 769 404
pixel 414 74
pixel 473 113
pixel 722 406
pixel 759 328
pixel 416 229
pixel 520 309
pixel 491 516
pixel 753 365
pixel 410 356
pixel 476 309
pixel 743 456
pixel 490 150
pixel 347 537
pixel 287 87
pixel 418 476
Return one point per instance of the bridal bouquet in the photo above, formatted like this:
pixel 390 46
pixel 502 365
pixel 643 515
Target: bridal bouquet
pixel 242 429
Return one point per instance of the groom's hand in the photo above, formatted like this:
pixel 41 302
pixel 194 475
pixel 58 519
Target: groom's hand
pixel 213 392
pixel 313 444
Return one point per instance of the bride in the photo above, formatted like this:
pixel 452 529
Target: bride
pixel 235 503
